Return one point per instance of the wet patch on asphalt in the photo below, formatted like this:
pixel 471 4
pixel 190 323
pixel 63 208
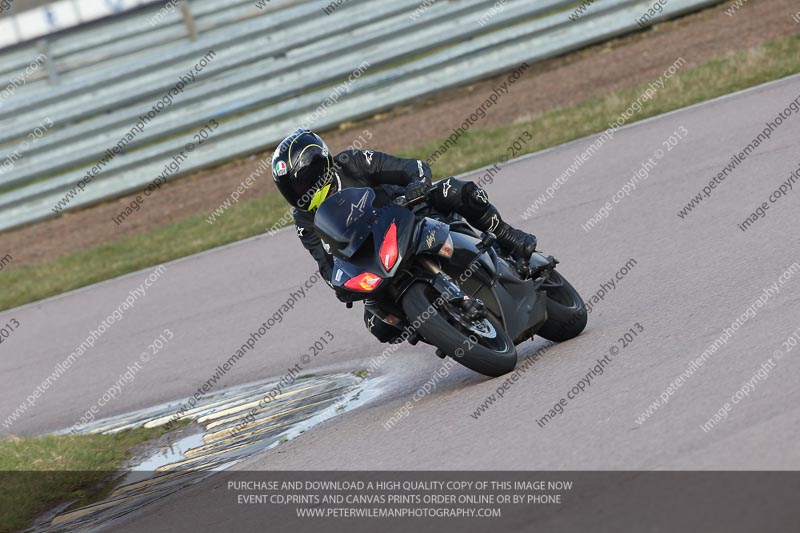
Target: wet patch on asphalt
pixel 231 425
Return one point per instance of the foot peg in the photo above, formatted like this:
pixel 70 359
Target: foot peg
pixel 523 268
pixel 551 263
pixel 440 353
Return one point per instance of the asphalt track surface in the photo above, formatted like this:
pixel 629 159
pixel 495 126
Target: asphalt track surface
pixel 693 277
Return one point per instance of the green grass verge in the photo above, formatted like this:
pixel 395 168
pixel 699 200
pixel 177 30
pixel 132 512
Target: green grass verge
pixel 39 472
pixel 741 70
pixel 479 147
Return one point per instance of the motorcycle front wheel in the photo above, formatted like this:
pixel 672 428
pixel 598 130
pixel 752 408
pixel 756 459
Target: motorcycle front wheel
pixel 482 346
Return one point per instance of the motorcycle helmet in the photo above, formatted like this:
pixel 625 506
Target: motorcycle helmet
pixel 302 168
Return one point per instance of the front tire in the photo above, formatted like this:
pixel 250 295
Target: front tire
pixel 566 311
pixel 490 357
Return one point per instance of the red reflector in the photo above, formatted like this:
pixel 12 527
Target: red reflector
pixel 365 282
pixel 389 251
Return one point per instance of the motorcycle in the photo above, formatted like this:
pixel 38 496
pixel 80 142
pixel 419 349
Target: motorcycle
pixel 435 279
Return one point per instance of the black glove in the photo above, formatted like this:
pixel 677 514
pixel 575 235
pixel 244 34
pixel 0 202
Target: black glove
pixel 344 296
pixel 417 190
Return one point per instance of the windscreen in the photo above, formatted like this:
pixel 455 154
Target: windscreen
pixel 344 221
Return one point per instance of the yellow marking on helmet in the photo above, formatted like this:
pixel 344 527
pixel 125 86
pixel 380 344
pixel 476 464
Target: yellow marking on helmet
pixel 289 151
pixel 319 197
pixel 306 148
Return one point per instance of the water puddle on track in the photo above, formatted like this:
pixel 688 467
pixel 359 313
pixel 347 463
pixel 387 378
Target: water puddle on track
pixel 235 424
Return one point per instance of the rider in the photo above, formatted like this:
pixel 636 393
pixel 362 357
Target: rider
pixel 306 174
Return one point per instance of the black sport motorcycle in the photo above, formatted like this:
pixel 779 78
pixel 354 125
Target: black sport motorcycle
pixel 431 276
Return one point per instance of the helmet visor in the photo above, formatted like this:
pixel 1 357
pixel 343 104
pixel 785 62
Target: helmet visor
pixel 314 172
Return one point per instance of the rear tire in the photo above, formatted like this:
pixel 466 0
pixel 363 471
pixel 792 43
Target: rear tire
pixel 437 330
pixel 566 311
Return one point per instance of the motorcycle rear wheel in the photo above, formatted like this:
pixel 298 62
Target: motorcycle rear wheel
pixel 493 356
pixel 566 311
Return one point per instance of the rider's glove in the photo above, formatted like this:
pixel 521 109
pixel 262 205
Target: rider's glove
pixel 416 190
pixel 343 295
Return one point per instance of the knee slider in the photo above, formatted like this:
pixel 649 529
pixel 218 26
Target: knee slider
pixel 379 329
pixel 475 202
pixel 447 195
pixel 474 196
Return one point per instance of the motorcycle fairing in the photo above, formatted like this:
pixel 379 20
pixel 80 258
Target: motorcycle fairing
pixel 517 315
pixel 344 221
pixel 404 220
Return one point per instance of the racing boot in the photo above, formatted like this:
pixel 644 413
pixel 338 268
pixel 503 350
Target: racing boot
pixel 511 239
pixel 516 241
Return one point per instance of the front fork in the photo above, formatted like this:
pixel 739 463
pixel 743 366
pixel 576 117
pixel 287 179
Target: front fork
pixel 473 308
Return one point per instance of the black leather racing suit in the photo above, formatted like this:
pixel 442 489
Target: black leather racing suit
pixel 388 176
